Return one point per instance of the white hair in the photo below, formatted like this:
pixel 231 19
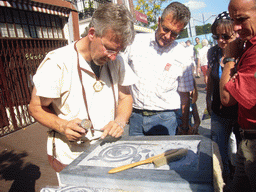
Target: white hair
pixel 204 42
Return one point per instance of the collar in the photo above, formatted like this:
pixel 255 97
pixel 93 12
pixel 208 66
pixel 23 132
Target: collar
pixel 152 40
pixel 251 42
pixel 248 44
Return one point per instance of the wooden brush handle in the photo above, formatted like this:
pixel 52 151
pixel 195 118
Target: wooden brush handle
pixel 124 167
pixel 146 161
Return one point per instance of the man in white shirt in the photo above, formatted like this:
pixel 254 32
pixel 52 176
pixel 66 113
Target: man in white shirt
pixel 86 80
pixel 190 51
pixel 165 76
pixel 202 58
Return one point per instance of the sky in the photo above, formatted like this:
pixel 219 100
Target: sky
pixel 204 10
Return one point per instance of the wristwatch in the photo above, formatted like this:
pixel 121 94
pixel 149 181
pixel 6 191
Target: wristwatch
pixel 228 59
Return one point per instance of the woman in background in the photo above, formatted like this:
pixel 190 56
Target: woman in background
pixel 223 119
pixel 203 60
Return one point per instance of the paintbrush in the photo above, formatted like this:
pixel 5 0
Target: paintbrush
pixel 157 160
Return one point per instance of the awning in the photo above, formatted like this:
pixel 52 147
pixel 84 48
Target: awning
pixel 143 29
pixel 36 7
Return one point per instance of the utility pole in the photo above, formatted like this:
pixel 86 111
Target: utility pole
pixel 203 23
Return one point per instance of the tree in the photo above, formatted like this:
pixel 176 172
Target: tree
pixel 203 29
pixel 151 8
pixel 183 34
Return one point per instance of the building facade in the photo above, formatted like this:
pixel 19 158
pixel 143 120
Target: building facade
pixel 86 8
pixel 29 29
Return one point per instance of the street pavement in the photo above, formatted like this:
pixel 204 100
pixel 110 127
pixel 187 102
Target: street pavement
pixel 24 165
pixel 205 126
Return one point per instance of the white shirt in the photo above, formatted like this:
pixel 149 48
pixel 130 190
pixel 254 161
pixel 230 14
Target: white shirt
pixel 190 52
pixel 161 72
pixel 202 55
pixel 57 77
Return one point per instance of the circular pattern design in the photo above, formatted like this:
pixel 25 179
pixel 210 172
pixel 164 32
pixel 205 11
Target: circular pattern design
pixel 118 153
pixel 98 86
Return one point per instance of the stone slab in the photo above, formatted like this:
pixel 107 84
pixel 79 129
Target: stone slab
pixel 191 173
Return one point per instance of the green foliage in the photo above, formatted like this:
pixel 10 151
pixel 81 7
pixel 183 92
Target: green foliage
pixel 151 8
pixel 90 7
pixel 204 29
pixel 183 34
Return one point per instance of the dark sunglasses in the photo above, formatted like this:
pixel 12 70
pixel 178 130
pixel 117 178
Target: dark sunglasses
pixel 166 30
pixel 224 37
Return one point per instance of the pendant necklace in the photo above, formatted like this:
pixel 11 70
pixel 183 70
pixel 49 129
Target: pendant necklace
pixel 97 86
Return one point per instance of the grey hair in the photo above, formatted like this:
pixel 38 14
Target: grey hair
pixel 179 11
pixel 115 17
pixel 204 42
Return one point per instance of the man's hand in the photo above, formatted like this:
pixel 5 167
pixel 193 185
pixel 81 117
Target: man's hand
pixel 116 128
pixel 185 104
pixel 113 128
pixel 72 130
pixel 194 129
pixel 234 48
pixel 40 110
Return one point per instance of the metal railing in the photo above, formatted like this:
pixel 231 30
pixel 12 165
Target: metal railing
pixel 19 59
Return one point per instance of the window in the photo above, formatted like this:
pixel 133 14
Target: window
pixel 27 24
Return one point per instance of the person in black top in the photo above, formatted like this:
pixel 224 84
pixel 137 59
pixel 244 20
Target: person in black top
pixel 223 119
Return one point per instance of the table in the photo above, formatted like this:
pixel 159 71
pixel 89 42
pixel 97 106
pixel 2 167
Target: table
pixel 192 173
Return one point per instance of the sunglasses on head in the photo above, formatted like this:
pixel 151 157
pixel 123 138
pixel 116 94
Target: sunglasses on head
pixel 223 36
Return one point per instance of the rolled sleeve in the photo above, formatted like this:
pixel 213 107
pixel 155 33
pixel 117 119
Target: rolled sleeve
pixel 126 75
pixel 243 89
pixel 47 79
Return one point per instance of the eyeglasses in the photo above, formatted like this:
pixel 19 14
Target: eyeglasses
pixel 166 30
pixel 109 52
pixel 223 36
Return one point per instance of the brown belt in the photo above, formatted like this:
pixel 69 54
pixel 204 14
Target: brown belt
pixel 149 112
pixel 248 134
